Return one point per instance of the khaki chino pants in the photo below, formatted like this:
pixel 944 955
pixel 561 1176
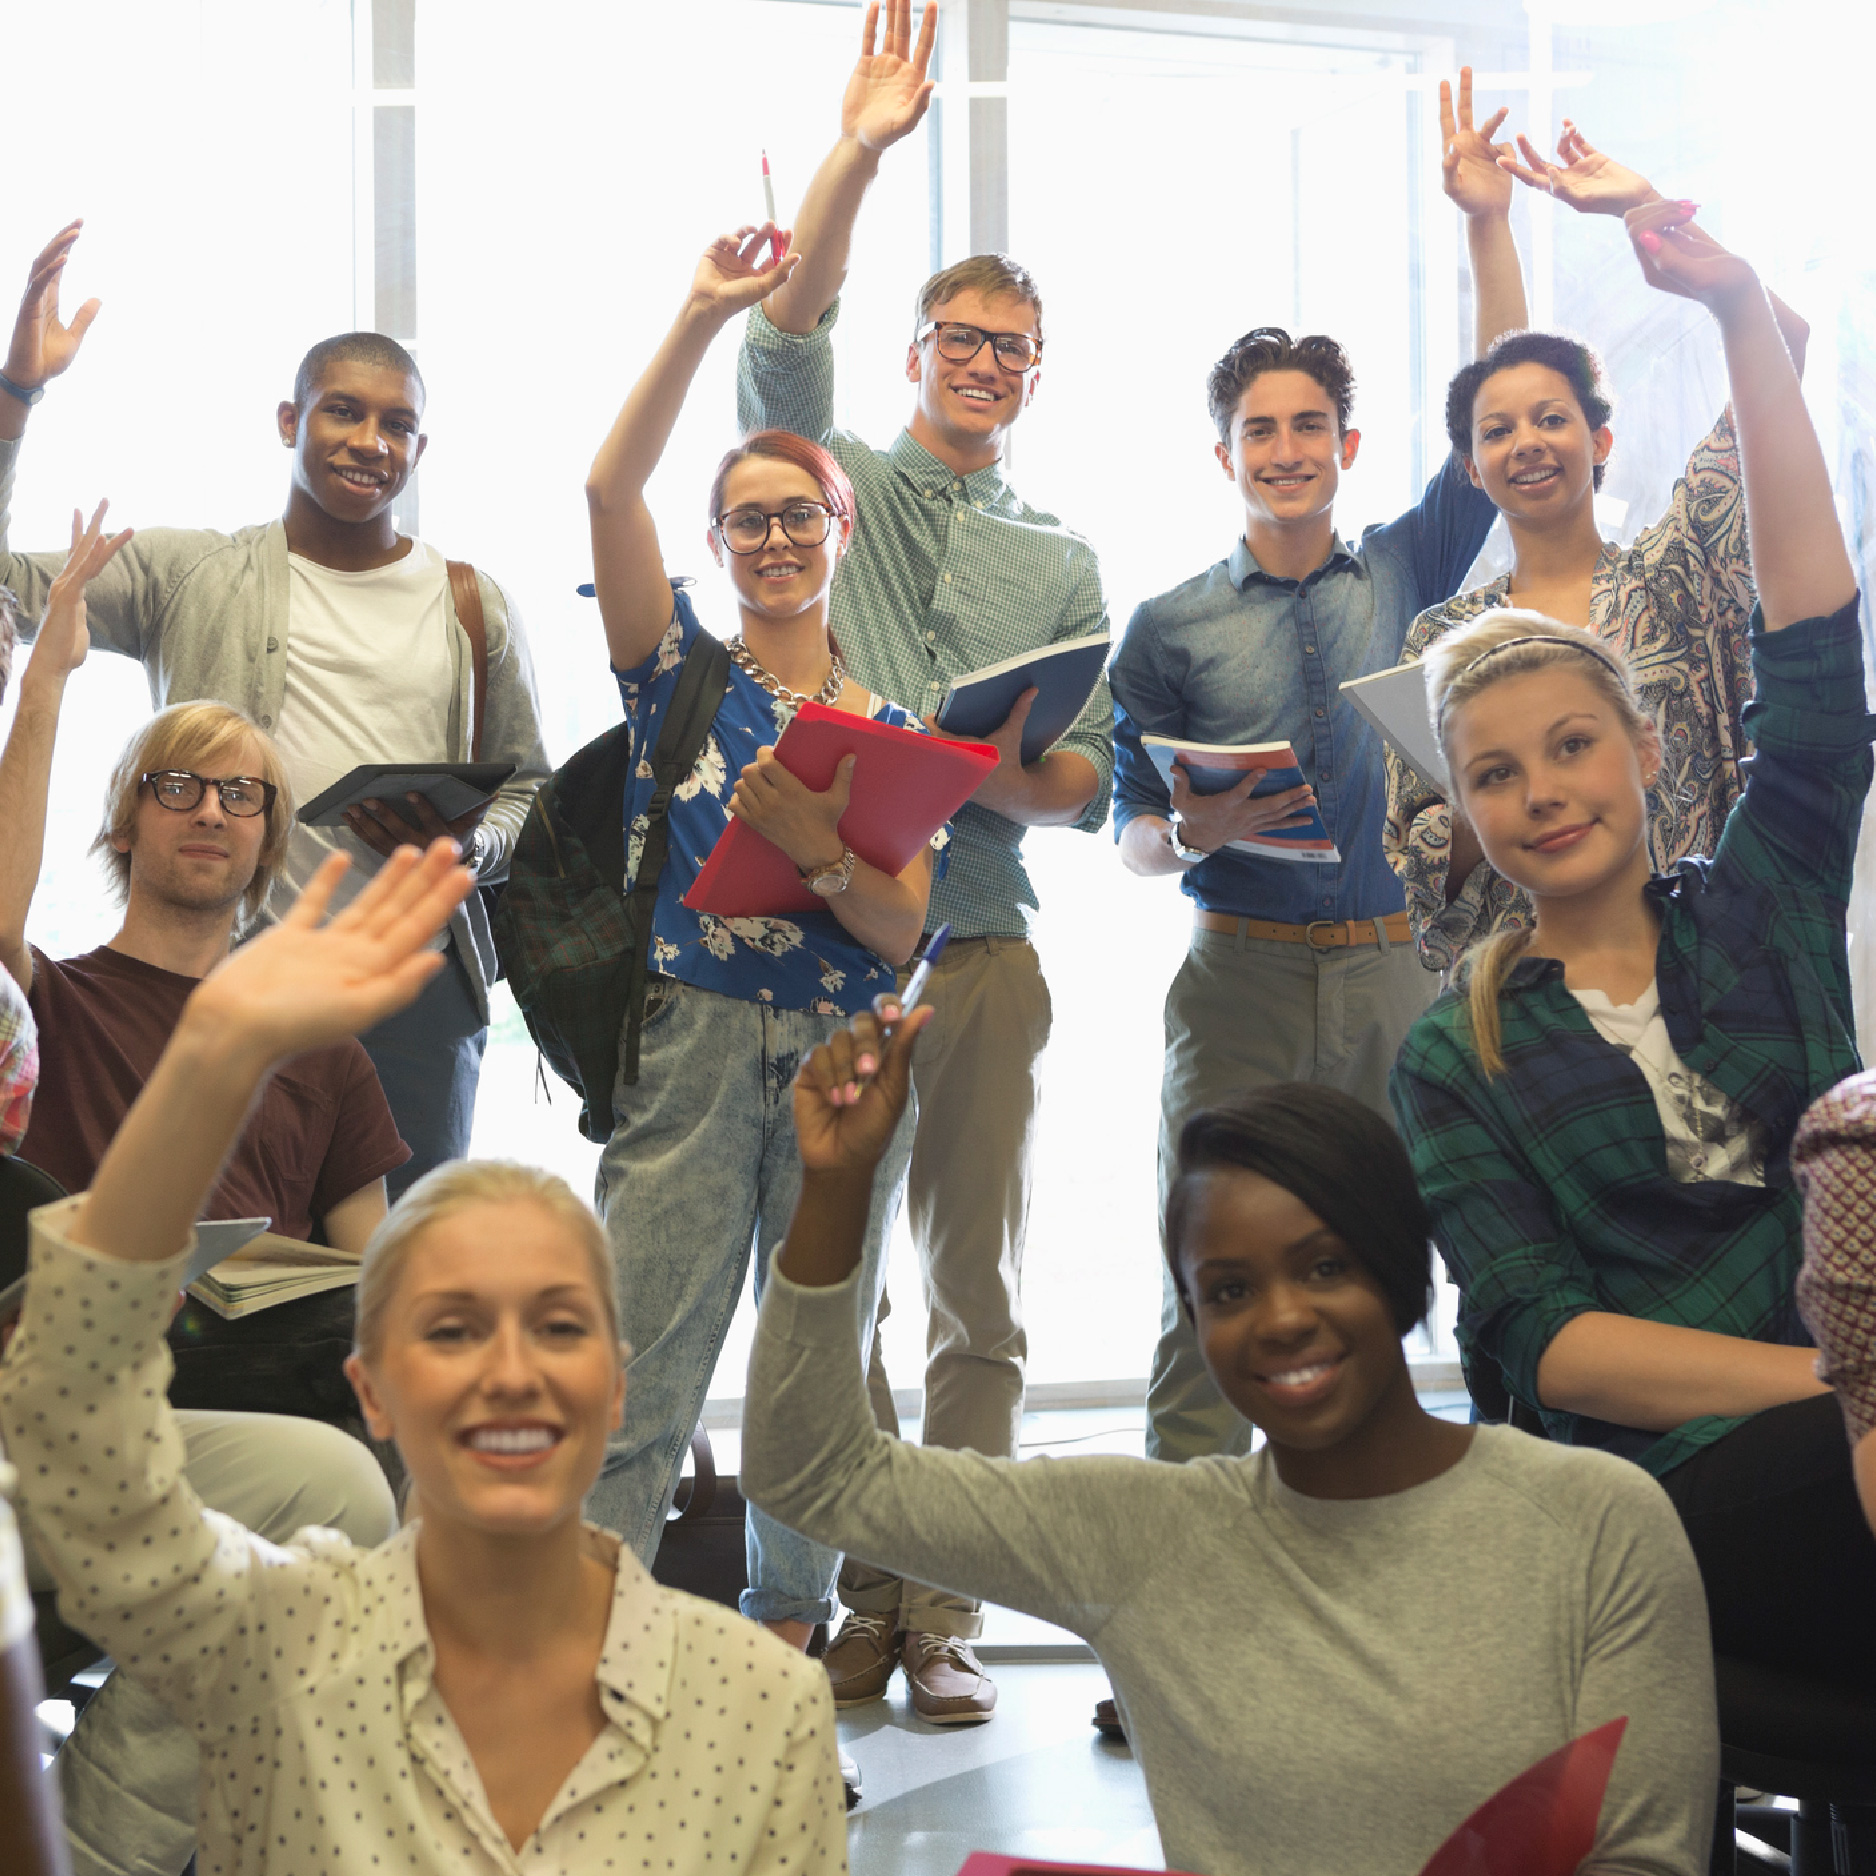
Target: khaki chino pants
pixel 976 1076
pixel 1245 1013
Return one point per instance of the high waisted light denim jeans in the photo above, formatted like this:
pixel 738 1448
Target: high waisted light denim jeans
pixel 701 1165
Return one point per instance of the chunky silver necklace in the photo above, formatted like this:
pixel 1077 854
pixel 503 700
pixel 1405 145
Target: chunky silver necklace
pixel 745 659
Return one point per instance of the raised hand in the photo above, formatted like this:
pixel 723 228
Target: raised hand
pixel 1470 170
pixel 1590 182
pixel 851 1091
pixel 308 981
pixel 43 345
pixel 63 639
pixel 888 93
pixel 1678 257
pixel 731 275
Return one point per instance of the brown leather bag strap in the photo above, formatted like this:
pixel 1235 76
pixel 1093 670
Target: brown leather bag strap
pixel 694 1497
pixel 468 597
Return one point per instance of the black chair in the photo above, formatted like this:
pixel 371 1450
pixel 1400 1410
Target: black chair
pixel 63 1652
pixel 1803 1739
pixel 22 1187
pixel 1779 1732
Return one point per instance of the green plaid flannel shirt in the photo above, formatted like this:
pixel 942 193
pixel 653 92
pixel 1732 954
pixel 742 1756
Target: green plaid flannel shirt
pixel 1548 1183
pixel 946 575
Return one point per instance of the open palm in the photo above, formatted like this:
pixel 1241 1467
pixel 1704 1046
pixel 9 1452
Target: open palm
pixel 308 981
pixel 1469 167
pixel 43 344
pixel 1590 182
pixel 63 636
pixel 889 92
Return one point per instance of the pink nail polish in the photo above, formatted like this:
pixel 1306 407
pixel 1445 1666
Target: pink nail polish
pixel 1651 241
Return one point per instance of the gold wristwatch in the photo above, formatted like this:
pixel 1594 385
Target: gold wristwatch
pixel 831 879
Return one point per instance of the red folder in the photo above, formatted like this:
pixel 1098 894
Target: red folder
pixel 905 787
pixel 1541 1824
pixel 982 1863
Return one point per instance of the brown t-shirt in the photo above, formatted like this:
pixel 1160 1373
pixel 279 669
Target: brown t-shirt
pixel 321 1131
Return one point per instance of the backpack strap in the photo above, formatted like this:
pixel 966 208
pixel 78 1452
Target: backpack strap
pixel 468 597
pixel 701 683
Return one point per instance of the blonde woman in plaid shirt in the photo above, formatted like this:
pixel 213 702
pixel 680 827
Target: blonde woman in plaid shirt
pixel 1601 1120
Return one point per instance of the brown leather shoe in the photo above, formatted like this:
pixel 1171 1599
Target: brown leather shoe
pixel 862 1658
pixel 1107 1721
pixel 948 1682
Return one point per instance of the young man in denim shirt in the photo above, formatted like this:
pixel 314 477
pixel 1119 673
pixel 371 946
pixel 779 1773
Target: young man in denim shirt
pixel 1297 971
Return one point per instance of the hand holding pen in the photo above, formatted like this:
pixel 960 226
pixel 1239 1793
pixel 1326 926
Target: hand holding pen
pixel 852 1090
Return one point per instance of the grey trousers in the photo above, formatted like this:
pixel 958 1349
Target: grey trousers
pixel 977 1077
pixel 127 1776
pixel 1244 1013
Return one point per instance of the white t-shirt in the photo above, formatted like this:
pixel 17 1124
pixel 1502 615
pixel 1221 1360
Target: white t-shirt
pixel 371 676
pixel 1709 1136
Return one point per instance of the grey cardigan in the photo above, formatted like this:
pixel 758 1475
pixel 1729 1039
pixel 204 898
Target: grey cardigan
pixel 205 614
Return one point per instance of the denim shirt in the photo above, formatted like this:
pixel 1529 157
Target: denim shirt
pixel 1237 655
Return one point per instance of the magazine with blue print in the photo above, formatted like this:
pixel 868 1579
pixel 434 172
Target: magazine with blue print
pixel 1216 768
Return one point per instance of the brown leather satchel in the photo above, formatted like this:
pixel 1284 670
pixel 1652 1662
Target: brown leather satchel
pixel 468 597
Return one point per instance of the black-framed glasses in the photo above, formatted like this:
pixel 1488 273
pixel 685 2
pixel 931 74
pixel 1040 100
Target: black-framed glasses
pixel 180 790
pixel 958 345
pixel 746 530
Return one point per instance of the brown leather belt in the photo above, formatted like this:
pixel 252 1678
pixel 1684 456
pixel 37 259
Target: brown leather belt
pixel 1322 934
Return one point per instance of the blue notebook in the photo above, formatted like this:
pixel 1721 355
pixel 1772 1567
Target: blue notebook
pixel 1064 675
pixel 1212 768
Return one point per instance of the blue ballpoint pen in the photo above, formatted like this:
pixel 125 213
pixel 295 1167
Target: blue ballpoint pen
pixel 915 989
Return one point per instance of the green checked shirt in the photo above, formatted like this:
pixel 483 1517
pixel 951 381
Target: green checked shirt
pixel 945 576
pixel 1549 1184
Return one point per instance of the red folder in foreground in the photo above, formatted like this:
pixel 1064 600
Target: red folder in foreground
pixel 1541 1824
pixel 905 787
pixel 982 1863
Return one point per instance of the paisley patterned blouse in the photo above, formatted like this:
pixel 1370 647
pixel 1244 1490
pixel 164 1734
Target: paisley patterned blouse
pixel 807 961
pixel 1676 602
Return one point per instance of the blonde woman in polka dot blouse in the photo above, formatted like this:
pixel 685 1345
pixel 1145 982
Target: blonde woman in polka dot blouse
pixel 499 1687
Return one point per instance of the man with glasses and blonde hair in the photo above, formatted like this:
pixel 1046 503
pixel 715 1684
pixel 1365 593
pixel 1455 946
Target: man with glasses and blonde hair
pixel 194 830
pixel 950 572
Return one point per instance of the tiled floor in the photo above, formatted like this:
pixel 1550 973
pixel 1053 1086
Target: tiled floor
pixel 1037 1780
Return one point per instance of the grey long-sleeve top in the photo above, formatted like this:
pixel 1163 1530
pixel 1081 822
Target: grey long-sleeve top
pixel 205 614
pixel 1312 1686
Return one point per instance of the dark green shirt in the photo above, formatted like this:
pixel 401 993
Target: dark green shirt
pixel 1548 1183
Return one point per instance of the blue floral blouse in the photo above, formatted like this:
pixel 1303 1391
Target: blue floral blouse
pixel 807 961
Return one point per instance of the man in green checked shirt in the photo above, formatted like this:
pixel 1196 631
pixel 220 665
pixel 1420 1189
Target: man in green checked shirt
pixel 949 571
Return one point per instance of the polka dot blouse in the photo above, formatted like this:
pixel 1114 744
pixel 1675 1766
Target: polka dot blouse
pixel 305 1670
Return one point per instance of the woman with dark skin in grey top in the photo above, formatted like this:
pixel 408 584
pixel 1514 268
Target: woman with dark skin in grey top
pixel 1329 1652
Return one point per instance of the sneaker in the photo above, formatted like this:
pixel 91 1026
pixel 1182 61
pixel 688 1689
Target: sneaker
pixel 949 1685
pixel 862 1658
pixel 849 1777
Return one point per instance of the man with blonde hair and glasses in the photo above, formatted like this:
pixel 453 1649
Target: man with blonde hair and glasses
pixel 195 828
pixel 950 571
pixel 187 847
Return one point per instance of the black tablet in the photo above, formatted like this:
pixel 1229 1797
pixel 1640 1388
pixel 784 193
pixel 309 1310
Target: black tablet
pixel 451 788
